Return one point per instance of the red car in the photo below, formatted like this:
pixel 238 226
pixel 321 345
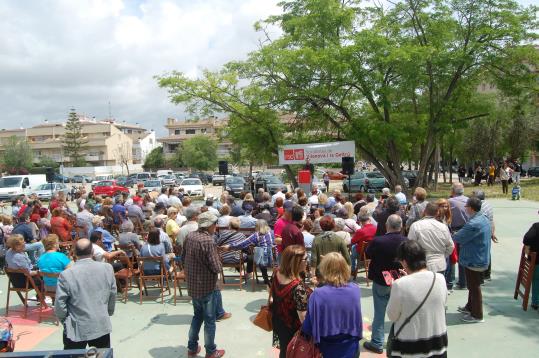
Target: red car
pixel 109 188
pixel 335 175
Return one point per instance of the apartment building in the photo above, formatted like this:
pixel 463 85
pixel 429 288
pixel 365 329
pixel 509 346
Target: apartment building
pixel 178 131
pixel 106 141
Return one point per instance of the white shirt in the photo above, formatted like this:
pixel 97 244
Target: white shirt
pixel 278 194
pixel 401 197
pixel 189 226
pixel 435 239
pixel 214 211
pixel 163 198
pixel 313 200
pixel 98 253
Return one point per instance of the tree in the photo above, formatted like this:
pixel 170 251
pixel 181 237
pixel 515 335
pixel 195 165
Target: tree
pixel 199 152
pixel 45 161
pixel 155 159
pixel 18 156
pixel 124 155
pixel 392 78
pixel 74 141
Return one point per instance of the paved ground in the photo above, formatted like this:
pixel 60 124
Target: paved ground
pixel 156 330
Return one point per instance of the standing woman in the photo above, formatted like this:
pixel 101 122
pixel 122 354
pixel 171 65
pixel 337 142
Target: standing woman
pixel 334 311
pixel 417 307
pixel 444 216
pixel 290 296
pixel 531 240
pixel 504 177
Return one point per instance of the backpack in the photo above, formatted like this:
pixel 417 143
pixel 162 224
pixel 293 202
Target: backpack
pixel 7 342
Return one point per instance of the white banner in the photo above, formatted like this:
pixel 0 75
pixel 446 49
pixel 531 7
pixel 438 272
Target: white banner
pixel 316 152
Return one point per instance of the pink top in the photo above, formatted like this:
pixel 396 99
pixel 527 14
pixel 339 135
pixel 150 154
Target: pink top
pixel 278 230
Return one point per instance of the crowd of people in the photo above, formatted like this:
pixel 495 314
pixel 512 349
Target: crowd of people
pixel 308 247
pixel 506 172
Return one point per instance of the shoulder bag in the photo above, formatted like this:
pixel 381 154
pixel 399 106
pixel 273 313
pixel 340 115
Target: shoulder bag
pixel 263 317
pixel 392 335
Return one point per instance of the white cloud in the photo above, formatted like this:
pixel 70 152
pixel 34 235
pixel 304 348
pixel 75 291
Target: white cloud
pixel 55 55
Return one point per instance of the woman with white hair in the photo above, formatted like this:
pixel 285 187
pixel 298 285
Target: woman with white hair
pixel 339 230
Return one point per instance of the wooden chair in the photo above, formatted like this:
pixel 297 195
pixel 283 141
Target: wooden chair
pixel 17 276
pixel 237 266
pixel 126 274
pixel 525 276
pixel 362 255
pixel 178 277
pixel 161 279
pixel 48 291
pixel 139 227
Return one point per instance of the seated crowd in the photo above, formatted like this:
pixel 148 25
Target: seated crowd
pixel 314 244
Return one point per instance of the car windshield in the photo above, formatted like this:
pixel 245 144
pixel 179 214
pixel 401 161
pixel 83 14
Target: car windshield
pixel 273 180
pixel 10 182
pixel 374 175
pixel 143 176
pixel 191 182
pixel 179 176
pixel 169 177
pixel 152 183
pixel 44 187
pixel 235 180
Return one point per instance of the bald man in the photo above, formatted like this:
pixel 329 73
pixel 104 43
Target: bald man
pixel 85 300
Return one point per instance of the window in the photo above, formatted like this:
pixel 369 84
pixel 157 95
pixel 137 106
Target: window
pixel 190 131
pixel 203 130
pixel 177 131
pixel 129 131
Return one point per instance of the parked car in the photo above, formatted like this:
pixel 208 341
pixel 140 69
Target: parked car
pixel 533 172
pixel 101 177
pixel 140 177
pixel 81 178
pixel 192 187
pixel 59 178
pixel 179 177
pixel 316 182
pixel 218 179
pixel 128 182
pixel 153 185
pixel 271 184
pixel 411 175
pixel 375 181
pixel 357 182
pixel 44 191
pixel 109 188
pixel 264 175
pixel 201 176
pixel 235 185
pixel 168 179
pixel 333 175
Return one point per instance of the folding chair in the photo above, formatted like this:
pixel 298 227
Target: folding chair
pixel 525 276
pixel 126 274
pixel 15 277
pixel 239 266
pixel 161 279
pixel 178 277
pixel 362 256
pixel 48 291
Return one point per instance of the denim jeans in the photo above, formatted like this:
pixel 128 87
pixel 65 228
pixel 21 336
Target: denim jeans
pixel 535 286
pixel 204 311
pixel 34 250
pixel 353 257
pixel 219 310
pixel 380 295
pixel 450 274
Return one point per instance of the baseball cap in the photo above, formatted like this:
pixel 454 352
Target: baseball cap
pixel 206 219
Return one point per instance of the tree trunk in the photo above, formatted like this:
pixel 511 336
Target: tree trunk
pixel 291 175
pixel 436 166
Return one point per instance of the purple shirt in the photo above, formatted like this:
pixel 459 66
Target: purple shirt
pixel 459 217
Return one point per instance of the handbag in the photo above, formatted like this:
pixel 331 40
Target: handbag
pixel 392 335
pixel 263 317
pixel 301 347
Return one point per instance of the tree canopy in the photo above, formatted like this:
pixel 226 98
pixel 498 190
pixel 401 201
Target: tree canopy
pixel 199 152
pixel 17 155
pixel 395 79
pixel 74 141
pixel 155 159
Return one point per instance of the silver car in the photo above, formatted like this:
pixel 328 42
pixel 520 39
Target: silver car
pixel 44 191
pixel 168 179
pixel 319 184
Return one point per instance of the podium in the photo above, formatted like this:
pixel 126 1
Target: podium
pixel 304 180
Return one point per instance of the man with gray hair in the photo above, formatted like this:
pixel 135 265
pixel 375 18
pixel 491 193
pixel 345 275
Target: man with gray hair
pixel 191 225
pixel 488 211
pixel 383 251
pixel 401 197
pixel 457 204
pixel 434 237
pixel 85 300
pixel 127 237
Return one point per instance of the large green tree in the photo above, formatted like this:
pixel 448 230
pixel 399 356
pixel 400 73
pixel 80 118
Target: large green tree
pixel 17 155
pixel 394 78
pixel 155 159
pixel 74 141
pixel 199 152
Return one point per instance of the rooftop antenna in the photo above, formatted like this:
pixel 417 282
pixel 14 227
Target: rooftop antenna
pixel 110 112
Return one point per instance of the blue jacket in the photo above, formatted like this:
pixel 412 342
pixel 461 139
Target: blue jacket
pixel 474 239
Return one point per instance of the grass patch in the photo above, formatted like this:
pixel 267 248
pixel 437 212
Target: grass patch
pixel 529 190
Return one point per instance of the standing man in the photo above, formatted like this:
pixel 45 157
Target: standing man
pixel 488 211
pixel 491 174
pixel 457 205
pixel 474 239
pixel 434 237
pixel 382 252
pixel 85 300
pixel 292 234
pixel 202 266
pixel 191 213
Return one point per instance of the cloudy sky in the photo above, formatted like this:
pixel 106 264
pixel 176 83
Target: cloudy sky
pixel 55 55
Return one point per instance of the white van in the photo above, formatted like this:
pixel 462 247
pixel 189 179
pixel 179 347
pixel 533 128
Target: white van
pixel 164 172
pixel 13 186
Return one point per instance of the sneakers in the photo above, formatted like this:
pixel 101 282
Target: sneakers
pixel 463 309
pixel 217 354
pixel 470 319
pixel 192 353
pixel 227 315
pixel 371 347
